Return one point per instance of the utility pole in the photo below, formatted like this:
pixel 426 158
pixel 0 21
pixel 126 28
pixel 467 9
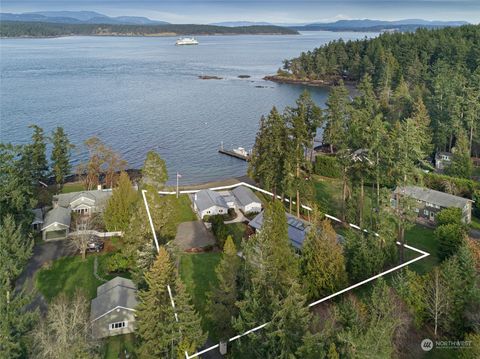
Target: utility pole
pixel 178 176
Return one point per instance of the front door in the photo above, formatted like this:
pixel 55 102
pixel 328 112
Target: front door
pixel 432 216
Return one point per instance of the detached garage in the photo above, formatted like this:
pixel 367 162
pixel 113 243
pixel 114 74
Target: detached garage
pixel 56 225
pixel 247 201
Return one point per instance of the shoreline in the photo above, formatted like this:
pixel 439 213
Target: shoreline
pixel 307 82
pixel 170 34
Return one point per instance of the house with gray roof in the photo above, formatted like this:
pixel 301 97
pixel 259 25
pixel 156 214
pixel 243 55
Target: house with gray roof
pixel 209 203
pixel 430 202
pixel 443 160
pixel 246 200
pixel 297 228
pixel 112 312
pixel 84 202
pixel 37 222
pixel 56 224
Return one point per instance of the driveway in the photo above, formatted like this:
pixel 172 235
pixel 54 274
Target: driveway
pixel 239 218
pixel 193 235
pixel 42 253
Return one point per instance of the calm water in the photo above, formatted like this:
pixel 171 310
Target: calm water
pixel 141 94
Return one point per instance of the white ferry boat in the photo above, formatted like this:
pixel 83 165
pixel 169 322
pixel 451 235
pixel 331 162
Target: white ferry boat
pixel 186 41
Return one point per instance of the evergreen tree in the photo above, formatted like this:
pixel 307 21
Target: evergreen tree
pixel 120 205
pixel 154 172
pixel 461 165
pixel 270 269
pixel 34 156
pixel 157 328
pixel 15 250
pixel 223 296
pixel 338 109
pixel 289 325
pixel 450 238
pixel 16 322
pixel 60 156
pixel 189 322
pixel 322 262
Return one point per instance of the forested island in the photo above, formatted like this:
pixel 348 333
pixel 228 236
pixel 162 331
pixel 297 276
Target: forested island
pixel 440 67
pixel 44 29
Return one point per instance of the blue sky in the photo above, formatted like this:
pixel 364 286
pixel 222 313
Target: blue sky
pixel 279 11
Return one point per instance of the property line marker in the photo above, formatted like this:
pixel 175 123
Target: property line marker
pixel 150 220
pixel 197 354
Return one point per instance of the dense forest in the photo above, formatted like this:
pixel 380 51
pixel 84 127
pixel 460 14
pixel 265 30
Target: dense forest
pixel 42 29
pixel 442 67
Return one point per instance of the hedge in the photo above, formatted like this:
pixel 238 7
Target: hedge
pixel 326 166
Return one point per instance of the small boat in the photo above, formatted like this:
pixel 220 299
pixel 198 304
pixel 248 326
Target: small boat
pixel 241 151
pixel 186 41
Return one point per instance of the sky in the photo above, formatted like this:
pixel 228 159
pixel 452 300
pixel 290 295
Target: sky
pixel 276 11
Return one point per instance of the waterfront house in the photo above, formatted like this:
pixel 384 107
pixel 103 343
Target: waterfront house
pixel 297 228
pixel 429 202
pixel 443 160
pixel 209 203
pixel 56 225
pixel 246 200
pixel 84 202
pixel 113 310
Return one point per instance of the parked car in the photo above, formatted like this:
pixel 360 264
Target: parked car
pixel 95 246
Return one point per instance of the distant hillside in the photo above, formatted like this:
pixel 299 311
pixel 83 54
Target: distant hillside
pixel 40 29
pixel 78 17
pixel 241 23
pixel 377 25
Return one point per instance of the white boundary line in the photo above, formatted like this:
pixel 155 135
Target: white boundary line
pixel 150 220
pixel 197 354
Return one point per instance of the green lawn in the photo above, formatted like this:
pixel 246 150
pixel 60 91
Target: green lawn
pixel 475 224
pixel 115 346
pixel 185 212
pixel 328 193
pixel 422 238
pixel 197 271
pixel 73 187
pixel 66 275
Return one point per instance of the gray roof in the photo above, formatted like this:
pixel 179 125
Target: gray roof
pixel 245 196
pixel 117 281
pixel 100 197
pixel 37 215
pixel 205 199
pixel 59 215
pixel 431 196
pixel 297 228
pixel 115 295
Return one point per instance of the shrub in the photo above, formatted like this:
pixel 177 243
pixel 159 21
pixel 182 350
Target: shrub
pixel 326 166
pixel 117 263
pixel 219 229
pixel 449 216
pixel 450 238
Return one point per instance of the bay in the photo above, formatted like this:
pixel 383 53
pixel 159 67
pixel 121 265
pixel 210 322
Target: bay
pixel 143 93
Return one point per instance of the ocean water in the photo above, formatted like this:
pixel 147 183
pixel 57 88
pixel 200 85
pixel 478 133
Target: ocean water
pixel 139 94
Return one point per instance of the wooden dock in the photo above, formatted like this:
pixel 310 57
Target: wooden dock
pixel 234 154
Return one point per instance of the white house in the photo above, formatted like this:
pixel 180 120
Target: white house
pixel 84 202
pixel 209 203
pixel 246 200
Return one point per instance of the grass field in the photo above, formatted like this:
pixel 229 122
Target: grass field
pixel 66 275
pixel 422 238
pixel 185 213
pixel 198 273
pixel 73 187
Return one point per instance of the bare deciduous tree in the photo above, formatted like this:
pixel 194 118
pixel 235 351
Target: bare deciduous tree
pixel 82 235
pixel 437 301
pixel 65 332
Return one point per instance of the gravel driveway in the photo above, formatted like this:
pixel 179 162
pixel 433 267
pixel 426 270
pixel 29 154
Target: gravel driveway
pixel 193 235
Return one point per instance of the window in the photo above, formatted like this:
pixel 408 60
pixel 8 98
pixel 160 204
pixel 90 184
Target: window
pixel 417 210
pixel 425 212
pixel 118 325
